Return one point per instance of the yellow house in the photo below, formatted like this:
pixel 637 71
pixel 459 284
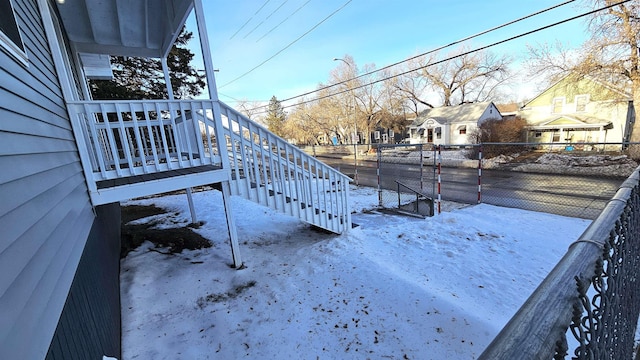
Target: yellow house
pixel 579 112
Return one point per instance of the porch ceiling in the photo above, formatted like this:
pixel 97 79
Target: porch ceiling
pixel 145 28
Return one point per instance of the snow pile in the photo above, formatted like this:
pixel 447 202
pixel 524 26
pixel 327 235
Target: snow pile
pixel 548 162
pixel 394 287
pixel 497 161
pixel 602 165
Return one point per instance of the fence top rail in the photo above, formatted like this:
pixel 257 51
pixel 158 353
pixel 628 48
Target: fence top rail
pixel 543 319
pixel 501 144
pixel 555 143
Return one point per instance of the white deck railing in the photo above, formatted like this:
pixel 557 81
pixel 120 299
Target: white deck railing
pixel 128 138
pixel 269 170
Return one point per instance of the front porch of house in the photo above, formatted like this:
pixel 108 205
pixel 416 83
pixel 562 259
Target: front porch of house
pixel 140 148
pixel 135 148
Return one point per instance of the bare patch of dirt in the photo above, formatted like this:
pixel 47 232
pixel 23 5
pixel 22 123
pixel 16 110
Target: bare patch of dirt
pixel 174 240
pixel 221 297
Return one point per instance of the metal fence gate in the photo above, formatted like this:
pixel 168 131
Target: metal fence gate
pixel 409 173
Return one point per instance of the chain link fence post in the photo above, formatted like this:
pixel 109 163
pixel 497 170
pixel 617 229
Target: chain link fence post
pixel 439 167
pixel 355 163
pixel 480 174
pixel 379 160
pixel 421 166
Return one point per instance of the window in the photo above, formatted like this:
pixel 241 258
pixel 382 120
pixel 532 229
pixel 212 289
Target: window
pixel 462 129
pixel 439 133
pixel 581 103
pixel 556 137
pixel 538 134
pixel 558 104
pixel 10 39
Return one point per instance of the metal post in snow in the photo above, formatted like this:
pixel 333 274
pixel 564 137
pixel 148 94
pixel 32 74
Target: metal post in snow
pixel 439 178
pixel 480 174
pixel 434 160
pixel 421 166
pixel 379 153
pixel 192 209
pixel 355 163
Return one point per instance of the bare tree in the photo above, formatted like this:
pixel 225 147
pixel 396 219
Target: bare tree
pixel 465 77
pixel 346 75
pixel 612 51
pixel 394 104
pixel 250 108
pixel 610 54
pixel 356 104
pixel 303 125
pixel 322 117
pixel 369 100
pixel 412 86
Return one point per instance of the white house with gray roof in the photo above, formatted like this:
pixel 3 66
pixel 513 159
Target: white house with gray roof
pixel 451 125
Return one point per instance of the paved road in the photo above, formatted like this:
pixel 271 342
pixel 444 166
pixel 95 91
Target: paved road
pixel 575 196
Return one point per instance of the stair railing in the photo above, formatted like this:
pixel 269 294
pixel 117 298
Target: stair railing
pixel 269 170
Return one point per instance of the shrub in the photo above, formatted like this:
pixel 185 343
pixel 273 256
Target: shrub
pixel 499 131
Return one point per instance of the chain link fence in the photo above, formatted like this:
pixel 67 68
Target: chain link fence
pixel 346 158
pixel 409 172
pixel 594 292
pixel 559 179
pixel 570 180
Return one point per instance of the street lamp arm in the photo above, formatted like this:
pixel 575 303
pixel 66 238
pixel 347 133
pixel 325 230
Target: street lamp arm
pixel 343 60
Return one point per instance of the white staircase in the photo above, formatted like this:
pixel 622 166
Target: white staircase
pixel 137 148
pixel 270 171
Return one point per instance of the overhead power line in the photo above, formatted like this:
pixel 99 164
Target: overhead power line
pixel 436 49
pixel 285 19
pixel 265 19
pixel 440 61
pixel 289 45
pixel 251 17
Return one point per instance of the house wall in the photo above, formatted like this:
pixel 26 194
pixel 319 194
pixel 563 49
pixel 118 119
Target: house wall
pixel 614 111
pixel 455 138
pixel 45 213
pixel 90 323
pixel 604 103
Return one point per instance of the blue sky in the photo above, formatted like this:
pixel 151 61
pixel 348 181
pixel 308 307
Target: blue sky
pixel 243 34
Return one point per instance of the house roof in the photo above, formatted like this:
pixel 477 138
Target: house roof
pixel 510 108
pixel 145 28
pixel 571 121
pixel 465 113
pixel 573 83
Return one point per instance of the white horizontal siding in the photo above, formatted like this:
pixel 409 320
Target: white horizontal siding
pixel 45 214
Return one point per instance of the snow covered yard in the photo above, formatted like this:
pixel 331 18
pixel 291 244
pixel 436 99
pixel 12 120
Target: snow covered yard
pixel 393 288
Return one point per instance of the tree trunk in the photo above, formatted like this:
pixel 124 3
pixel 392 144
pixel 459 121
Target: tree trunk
pixel 634 149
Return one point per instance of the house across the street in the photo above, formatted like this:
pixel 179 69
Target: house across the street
pixel 578 110
pixel 451 125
